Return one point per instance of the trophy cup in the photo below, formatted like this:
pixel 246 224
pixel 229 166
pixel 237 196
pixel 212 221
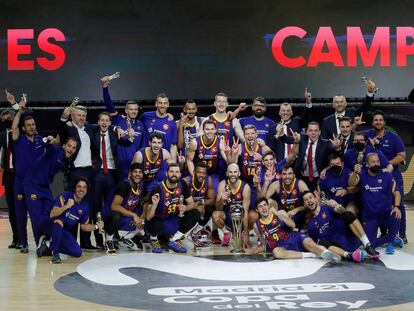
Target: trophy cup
pixel 101 231
pixel 236 214
pixel 75 101
pixel 360 157
pixel 181 202
pixel 129 126
pixel 24 97
pixel 116 75
pixel 365 81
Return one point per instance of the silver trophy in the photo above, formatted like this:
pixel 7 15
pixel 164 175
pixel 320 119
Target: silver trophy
pixel 237 214
pixel 24 97
pixel 360 157
pixel 116 75
pixel 365 81
pixel 181 202
pixel 101 231
pixel 129 126
pixel 75 101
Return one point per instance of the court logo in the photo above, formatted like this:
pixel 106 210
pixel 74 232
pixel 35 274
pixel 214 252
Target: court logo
pixel 170 282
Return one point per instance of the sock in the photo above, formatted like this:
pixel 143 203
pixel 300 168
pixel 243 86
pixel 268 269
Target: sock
pixel 153 238
pixel 347 254
pixel 364 240
pixel 308 255
pixel 109 237
pixel 177 236
pixel 220 233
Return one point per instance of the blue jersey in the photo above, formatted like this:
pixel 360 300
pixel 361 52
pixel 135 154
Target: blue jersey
pixel 248 166
pixel 77 214
pixel 262 126
pixel 153 123
pixel 376 193
pixel 125 153
pixel 330 226
pixel 225 130
pixel 391 145
pixel 351 157
pixel 170 199
pixel 235 198
pixel 199 193
pixel 332 183
pixel 289 197
pixel 274 232
pixel 153 169
pixel 46 167
pixel 210 155
pixel 26 153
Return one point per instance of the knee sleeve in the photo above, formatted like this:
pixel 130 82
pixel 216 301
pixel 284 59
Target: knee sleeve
pixel 349 217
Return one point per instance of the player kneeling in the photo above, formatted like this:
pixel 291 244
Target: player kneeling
pixel 274 229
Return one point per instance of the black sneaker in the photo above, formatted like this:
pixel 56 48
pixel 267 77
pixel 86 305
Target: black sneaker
pixel 13 244
pixel 130 244
pixel 24 249
pixel 18 245
pixel 42 246
pixel 110 248
pixel 404 238
pixel 56 258
pixel 371 251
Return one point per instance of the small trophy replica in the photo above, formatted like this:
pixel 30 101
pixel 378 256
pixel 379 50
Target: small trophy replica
pixel 237 214
pixel 101 231
pixel 75 101
pixel 365 81
pixel 129 126
pixel 24 97
pixel 116 75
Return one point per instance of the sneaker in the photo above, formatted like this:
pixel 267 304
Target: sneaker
pixel 18 245
pixel 42 246
pixel 331 257
pixel 398 242
pixel 130 244
pixel 110 248
pixel 24 249
pixel 177 246
pixel 358 256
pixel 156 247
pixel 56 258
pixel 215 238
pixel 226 238
pixel 371 251
pixel 13 244
pixel 390 250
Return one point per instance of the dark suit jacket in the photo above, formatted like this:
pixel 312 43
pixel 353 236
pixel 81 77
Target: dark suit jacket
pixel 3 147
pixel 329 123
pixel 96 146
pixel 296 124
pixel 323 149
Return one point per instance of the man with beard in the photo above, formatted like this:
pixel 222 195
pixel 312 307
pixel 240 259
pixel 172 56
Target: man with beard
pixel 210 150
pixel 27 147
pixel 154 161
pixel 123 210
pixel 202 191
pixel 287 193
pixel 129 123
pixel 330 124
pixel 159 121
pixel 39 178
pixel 380 203
pixel 289 126
pixel 227 127
pixel 262 123
pixel 171 212
pixel 274 230
pixel 334 185
pixel 231 191
pixel 357 154
pixel 392 146
pixel 69 210
pixel 336 229
pixel 189 126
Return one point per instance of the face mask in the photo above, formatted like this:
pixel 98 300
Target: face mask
pixel 375 169
pixel 359 146
pixel 8 123
pixel 336 169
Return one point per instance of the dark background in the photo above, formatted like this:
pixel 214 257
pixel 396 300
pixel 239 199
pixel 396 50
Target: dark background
pixel 193 49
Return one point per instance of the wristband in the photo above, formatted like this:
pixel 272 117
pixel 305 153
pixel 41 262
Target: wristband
pixel 16 106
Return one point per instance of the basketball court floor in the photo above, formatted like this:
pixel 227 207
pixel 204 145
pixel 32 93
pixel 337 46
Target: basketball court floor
pixel 146 281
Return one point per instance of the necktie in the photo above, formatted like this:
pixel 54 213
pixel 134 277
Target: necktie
pixel 310 162
pixel 104 161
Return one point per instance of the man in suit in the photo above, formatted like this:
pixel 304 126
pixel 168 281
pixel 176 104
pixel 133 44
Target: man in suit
pixel 81 166
pixel 346 136
pixel 6 165
pixel 313 153
pixel 104 144
pixel 330 125
pixel 290 125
